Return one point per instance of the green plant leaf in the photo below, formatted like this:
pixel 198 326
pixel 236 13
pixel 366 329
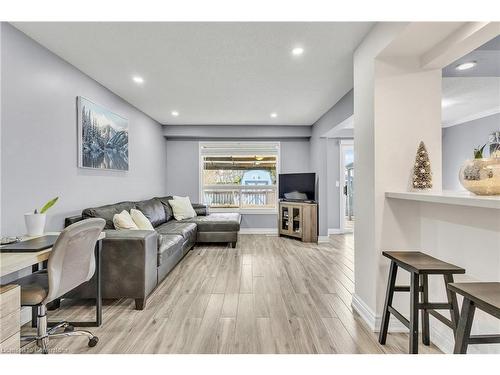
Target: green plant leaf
pixel 478 152
pixel 48 205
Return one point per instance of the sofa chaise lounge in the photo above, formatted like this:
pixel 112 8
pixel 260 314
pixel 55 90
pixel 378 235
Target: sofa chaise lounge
pixel 134 262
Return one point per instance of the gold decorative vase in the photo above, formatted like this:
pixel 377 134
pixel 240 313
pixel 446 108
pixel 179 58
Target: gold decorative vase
pixel 481 176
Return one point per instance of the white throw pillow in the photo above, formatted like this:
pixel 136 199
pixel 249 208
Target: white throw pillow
pixel 123 220
pixel 182 207
pixel 140 220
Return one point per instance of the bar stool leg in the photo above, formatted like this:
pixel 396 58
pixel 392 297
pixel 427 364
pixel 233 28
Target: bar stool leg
pixel 452 299
pixel 414 300
pixel 424 281
pixel 464 327
pixel 393 271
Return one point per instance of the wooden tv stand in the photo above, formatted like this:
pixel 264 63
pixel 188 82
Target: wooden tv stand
pixel 298 220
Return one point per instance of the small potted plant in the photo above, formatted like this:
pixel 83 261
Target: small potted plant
pixel 35 221
pixel 481 175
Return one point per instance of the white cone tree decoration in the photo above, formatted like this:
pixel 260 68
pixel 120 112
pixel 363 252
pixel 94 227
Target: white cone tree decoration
pixel 422 174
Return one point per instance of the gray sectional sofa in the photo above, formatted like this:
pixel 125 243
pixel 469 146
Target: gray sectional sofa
pixel 134 262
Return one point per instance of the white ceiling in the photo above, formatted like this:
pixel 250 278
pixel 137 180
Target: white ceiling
pixel 213 73
pixel 469 98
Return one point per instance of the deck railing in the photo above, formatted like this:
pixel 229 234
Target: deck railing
pixel 240 196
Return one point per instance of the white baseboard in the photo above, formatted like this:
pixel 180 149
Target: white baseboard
pixel 323 239
pixel 266 231
pixel 371 319
pixel 334 231
pixel 444 342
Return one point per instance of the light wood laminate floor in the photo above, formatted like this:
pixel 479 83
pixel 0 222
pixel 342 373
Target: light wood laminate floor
pixel 268 295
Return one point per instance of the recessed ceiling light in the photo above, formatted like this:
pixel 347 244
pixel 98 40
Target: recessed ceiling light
pixel 175 113
pixel 297 51
pixel 138 79
pixel 274 115
pixel 466 65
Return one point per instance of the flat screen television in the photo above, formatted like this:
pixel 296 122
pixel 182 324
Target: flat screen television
pixel 300 182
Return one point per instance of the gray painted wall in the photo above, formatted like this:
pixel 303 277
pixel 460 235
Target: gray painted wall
pixel 325 162
pixel 39 139
pixel 183 171
pixel 459 142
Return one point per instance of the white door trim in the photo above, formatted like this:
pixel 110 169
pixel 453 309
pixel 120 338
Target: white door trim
pixel 344 144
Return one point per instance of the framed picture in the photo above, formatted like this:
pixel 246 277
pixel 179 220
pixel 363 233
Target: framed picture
pixel 102 137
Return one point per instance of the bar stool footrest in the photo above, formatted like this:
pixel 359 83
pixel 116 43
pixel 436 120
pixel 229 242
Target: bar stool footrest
pixel 484 339
pixel 442 318
pixel 435 306
pixel 406 288
pixel 399 316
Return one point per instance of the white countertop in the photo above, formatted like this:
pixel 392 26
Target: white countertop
pixel 449 197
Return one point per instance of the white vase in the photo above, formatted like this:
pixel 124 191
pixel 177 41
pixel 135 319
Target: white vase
pixel 35 223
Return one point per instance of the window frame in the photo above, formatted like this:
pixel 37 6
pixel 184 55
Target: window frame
pixel 240 144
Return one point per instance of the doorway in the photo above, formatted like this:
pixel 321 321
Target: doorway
pixel 347 182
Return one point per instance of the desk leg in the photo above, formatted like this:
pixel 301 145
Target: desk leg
pixel 34 309
pixel 98 298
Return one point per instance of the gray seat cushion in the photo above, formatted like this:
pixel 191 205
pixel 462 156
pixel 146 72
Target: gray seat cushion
pixel 153 210
pixel 168 244
pixel 217 222
pixel 34 288
pixel 107 212
pixel 186 230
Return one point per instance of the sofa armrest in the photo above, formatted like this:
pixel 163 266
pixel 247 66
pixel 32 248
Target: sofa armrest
pixel 128 263
pixel 200 209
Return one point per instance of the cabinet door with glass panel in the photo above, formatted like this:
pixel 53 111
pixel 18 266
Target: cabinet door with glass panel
pixel 291 220
pixel 285 219
pixel 296 221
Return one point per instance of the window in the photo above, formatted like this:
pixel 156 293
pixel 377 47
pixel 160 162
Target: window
pixel 239 175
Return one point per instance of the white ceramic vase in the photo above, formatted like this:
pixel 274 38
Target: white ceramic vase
pixel 35 223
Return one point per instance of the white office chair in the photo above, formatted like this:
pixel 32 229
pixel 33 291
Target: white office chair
pixel 71 263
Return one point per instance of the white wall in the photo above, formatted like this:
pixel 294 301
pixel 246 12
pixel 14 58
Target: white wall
pixel 459 142
pixel 39 139
pixel 183 171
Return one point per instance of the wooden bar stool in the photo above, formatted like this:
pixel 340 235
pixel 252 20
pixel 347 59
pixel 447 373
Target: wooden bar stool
pixel 419 265
pixel 484 296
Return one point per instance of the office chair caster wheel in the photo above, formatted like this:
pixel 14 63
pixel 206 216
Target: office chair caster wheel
pixel 93 341
pixel 69 329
